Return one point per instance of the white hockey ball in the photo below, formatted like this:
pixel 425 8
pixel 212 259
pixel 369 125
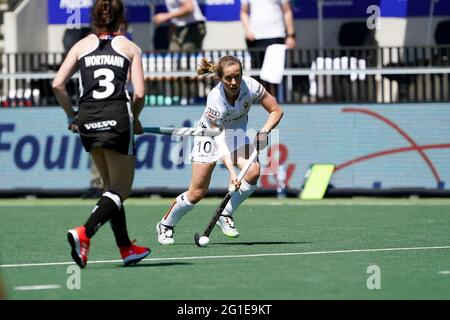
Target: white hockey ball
pixel 203 241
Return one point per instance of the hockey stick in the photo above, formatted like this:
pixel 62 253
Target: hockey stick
pixel 183 131
pixel 225 200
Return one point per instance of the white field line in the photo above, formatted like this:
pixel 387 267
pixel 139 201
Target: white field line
pixel 234 256
pixel 444 272
pixel 38 287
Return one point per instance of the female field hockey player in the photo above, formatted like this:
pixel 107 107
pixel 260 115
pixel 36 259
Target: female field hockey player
pixel 106 122
pixel 228 103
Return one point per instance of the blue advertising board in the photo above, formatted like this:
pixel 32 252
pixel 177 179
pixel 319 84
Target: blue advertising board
pixel 307 9
pixel 373 146
pixel 61 11
pixel 140 11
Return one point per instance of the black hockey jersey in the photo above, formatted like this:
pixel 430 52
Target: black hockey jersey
pixel 103 73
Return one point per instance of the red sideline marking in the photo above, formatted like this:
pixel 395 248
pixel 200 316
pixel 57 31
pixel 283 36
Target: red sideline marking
pixel 414 145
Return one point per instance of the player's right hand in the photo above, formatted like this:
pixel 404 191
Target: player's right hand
pixel 72 123
pixel 73 127
pixel 234 180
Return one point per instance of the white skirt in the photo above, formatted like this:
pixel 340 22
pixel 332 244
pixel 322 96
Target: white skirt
pixel 205 148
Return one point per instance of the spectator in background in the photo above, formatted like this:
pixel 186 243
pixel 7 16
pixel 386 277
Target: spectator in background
pixel 161 36
pixel 73 35
pixel 267 22
pixel 188 23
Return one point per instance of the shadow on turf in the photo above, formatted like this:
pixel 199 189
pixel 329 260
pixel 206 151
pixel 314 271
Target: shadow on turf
pixel 253 243
pixel 157 264
pixel 232 242
pixel 142 264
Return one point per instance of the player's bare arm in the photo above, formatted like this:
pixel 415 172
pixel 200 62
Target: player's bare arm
pixel 270 104
pixel 134 53
pixel 137 79
pixel 62 78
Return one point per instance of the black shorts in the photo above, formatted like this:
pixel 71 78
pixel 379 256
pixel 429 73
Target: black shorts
pixel 106 125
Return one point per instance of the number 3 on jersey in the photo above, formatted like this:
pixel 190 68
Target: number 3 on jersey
pixel 105 83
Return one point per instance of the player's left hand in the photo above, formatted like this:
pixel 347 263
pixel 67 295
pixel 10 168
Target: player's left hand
pixel 261 140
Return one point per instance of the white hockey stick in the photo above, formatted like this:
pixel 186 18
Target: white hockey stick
pixel 183 131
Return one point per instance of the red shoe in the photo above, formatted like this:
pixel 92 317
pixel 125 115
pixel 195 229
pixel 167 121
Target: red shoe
pixel 133 254
pixel 80 245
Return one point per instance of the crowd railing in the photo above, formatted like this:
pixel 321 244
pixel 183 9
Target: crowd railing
pixel 311 75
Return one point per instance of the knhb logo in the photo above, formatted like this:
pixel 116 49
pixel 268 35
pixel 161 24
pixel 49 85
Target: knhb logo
pixel 102 125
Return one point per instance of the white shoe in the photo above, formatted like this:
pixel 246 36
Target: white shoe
pixel 165 234
pixel 226 223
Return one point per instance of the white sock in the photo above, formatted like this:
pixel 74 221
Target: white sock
pixel 238 197
pixel 179 208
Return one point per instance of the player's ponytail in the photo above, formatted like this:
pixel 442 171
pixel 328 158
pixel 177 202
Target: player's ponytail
pixel 106 11
pixel 107 15
pixel 208 68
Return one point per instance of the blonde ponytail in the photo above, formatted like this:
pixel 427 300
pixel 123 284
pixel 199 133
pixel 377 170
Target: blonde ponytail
pixel 207 68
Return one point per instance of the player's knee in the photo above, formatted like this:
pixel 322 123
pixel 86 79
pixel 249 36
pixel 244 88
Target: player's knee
pixel 124 193
pixel 253 173
pixel 196 195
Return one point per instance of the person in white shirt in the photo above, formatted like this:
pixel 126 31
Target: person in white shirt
pixel 267 22
pixel 228 104
pixel 188 23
